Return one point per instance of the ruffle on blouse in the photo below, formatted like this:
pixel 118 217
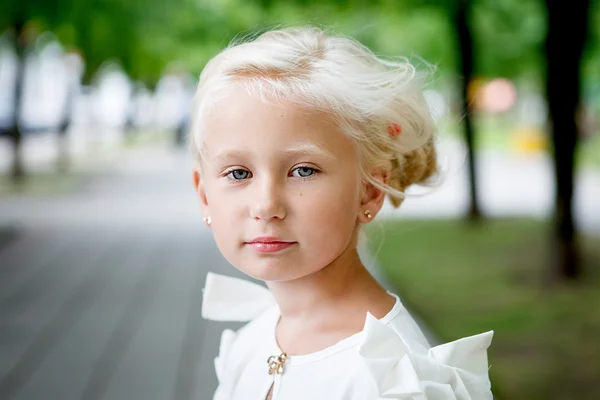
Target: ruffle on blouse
pixel 232 299
pixel 453 371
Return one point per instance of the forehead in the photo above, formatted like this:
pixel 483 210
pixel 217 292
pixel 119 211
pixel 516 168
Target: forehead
pixel 241 121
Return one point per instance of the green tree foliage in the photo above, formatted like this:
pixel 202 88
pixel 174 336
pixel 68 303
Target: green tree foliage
pixel 509 36
pixel 99 29
pixel 145 36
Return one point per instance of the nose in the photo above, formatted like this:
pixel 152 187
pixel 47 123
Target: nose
pixel 268 201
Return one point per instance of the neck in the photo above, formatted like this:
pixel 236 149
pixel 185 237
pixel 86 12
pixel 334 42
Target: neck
pixel 344 282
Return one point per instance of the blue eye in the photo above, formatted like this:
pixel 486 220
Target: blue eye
pixel 303 172
pixel 239 174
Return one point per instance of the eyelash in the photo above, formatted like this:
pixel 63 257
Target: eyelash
pixel 232 180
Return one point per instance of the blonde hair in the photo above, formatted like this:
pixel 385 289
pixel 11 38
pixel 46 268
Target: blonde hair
pixel 340 76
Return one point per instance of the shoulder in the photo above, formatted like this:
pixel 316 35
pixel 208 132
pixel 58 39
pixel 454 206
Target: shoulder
pixel 403 366
pixel 401 322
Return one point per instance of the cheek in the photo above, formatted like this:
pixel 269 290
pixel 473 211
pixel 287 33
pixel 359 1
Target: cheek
pixel 227 235
pixel 330 214
pixel 223 201
pixel 225 214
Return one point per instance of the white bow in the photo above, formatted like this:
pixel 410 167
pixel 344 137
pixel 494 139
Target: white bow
pixel 232 299
pixel 453 371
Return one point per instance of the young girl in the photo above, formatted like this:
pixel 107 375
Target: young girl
pixel 299 136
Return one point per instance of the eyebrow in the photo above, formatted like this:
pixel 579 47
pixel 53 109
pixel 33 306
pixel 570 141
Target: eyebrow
pixel 307 149
pixel 302 150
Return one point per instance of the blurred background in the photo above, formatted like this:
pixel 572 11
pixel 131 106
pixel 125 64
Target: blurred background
pixel 103 252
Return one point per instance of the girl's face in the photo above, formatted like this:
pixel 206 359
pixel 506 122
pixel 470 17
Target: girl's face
pixel 281 185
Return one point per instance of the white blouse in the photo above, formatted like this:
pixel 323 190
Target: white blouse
pixel 389 359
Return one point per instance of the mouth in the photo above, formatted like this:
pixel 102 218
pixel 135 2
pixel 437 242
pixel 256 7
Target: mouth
pixel 269 244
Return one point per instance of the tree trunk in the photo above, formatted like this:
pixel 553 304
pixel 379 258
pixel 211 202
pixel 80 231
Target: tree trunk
pixel 465 45
pixel 567 31
pixel 17 172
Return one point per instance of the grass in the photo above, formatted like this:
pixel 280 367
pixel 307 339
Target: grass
pixel 464 280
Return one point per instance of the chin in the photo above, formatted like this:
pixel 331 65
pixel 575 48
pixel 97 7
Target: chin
pixel 272 270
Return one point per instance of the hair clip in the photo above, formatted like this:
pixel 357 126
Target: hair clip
pixel 394 130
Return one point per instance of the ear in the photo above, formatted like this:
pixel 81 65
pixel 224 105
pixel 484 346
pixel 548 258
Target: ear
pixel 372 197
pixel 201 191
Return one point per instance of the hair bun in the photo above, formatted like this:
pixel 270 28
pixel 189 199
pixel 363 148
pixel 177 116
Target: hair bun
pixel 416 166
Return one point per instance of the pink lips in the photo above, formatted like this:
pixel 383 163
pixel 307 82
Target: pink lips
pixel 268 244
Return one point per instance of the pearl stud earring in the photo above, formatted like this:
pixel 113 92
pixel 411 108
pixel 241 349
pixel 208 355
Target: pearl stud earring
pixel 368 214
pixel 207 220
